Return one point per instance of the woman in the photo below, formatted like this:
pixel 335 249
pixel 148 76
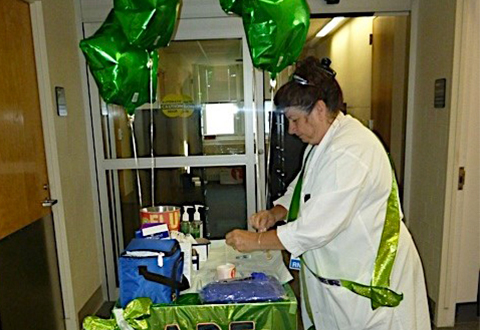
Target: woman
pixel 360 268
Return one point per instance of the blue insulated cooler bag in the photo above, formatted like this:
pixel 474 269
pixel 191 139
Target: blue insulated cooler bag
pixel 151 268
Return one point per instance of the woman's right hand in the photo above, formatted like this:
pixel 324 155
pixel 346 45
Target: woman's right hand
pixel 263 220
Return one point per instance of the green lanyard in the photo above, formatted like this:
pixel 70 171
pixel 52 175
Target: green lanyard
pixel 378 291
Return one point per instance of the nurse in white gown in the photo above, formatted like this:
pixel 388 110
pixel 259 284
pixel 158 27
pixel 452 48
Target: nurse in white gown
pixel 342 199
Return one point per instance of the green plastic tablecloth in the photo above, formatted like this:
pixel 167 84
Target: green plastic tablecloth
pixel 189 314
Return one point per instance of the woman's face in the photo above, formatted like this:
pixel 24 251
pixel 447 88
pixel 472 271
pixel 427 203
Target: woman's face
pixel 309 127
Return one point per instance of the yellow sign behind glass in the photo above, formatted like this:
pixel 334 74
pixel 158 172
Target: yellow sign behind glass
pixel 177 105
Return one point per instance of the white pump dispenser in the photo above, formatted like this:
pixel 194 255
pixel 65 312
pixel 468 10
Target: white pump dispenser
pixel 185 225
pixel 197 221
pixel 185 215
pixel 196 215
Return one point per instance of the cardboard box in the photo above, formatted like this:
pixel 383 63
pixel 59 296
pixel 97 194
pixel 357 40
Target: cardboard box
pixel 202 247
pixel 186 248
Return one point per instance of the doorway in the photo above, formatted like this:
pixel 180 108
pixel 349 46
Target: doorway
pixel 202 149
pixel 370 56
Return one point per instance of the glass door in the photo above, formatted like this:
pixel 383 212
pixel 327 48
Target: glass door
pixel 202 146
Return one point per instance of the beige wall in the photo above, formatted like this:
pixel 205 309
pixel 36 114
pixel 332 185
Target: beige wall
pixel 430 135
pixel 63 61
pixel 351 39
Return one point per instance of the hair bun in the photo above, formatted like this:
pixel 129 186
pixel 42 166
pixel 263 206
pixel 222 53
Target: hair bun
pixel 325 64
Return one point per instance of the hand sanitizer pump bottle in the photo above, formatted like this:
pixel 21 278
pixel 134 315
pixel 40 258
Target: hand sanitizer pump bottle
pixel 197 224
pixel 185 226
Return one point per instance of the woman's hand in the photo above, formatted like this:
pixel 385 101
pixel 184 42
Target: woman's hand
pixel 263 220
pixel 266 219
pixel 242 240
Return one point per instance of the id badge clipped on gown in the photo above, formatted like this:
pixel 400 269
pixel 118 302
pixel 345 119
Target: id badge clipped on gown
pixel 294 263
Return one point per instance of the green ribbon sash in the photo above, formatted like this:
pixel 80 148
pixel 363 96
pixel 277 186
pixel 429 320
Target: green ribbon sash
pixel 135 315
pixel 378 291
pixel 297 192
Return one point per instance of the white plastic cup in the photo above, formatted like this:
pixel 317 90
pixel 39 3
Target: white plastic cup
pixel 225 272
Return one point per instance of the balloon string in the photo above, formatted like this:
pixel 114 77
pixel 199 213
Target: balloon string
pixel 273 84
pixel 131 119
pixel 261 198
pixel 152 156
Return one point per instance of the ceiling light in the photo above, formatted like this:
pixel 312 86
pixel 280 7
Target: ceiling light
pixel 330 26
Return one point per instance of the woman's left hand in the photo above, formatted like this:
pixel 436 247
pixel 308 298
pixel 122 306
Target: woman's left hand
pixel 242 240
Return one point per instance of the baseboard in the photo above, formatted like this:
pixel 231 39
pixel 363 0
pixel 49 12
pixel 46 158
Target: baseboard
pixel 91 306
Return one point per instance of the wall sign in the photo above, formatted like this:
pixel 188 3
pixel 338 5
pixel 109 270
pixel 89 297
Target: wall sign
pixel 177 105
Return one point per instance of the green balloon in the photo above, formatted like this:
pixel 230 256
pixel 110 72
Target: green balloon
pixel 276 30
pixel 147 24
pixel 123 73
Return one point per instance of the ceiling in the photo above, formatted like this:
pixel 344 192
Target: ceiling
pixel 316 25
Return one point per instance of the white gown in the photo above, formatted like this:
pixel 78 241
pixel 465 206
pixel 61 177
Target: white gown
pixel 345 189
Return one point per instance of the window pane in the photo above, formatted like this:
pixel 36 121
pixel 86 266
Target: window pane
pixel 199 109
pixel 220 189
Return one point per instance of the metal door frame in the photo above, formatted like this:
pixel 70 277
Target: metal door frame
pixel 188 29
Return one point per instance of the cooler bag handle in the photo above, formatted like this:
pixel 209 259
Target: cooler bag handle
pixel 153 277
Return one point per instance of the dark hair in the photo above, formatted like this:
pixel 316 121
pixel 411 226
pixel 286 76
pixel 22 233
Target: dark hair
pixel 312 81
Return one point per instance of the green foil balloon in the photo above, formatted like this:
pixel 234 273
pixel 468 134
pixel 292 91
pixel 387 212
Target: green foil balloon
pixel 124 74
pixel 276 30
pixel 147 24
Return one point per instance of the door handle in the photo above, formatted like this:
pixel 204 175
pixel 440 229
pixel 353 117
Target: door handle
pixel 49 202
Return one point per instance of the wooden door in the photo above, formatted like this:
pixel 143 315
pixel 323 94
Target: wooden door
pixel 389 85
pixel 23 171
pixel 30 285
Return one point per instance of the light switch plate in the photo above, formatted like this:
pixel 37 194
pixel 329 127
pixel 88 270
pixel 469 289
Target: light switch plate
pixel 61 101
pixel 440 93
